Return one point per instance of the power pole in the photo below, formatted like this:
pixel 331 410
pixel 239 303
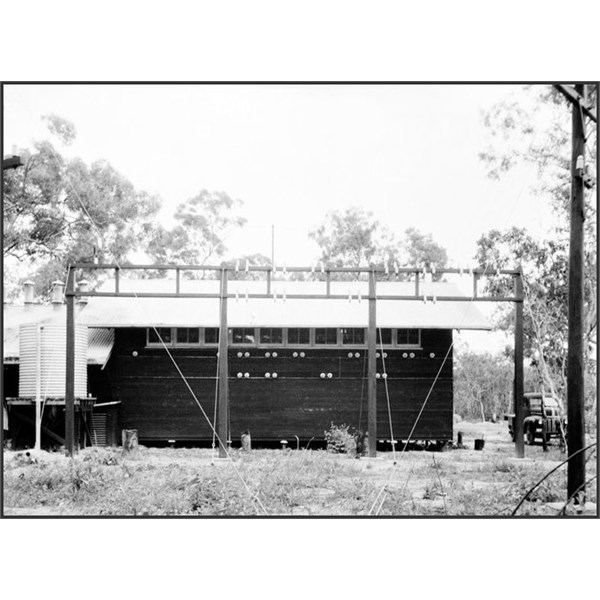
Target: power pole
pixel 575 372
pixel 575 378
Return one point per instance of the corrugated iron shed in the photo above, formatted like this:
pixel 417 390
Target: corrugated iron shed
pixel 100 340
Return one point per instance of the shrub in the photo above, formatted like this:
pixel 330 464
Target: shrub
pixel 340 440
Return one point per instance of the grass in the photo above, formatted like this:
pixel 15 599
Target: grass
pixel 173 482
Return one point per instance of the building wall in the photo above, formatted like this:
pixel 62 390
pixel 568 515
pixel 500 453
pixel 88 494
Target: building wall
pixel 157 402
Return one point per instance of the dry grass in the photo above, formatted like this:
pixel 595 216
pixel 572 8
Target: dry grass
pixel 155 482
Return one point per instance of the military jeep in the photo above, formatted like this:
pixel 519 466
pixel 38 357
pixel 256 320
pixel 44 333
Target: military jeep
pixel 543 419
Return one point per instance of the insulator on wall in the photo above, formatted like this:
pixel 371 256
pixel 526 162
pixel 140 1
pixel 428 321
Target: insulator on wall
pixel 274 354
pixel 377 375
pixel 322 375
pixel 357 355
pixel 302 355
pixel 274 376
pixel 359 297
pixel 246 295
pixel 377 354
pixel 434 299
pixel 295 355
pixel 412 354
pixel 246 354
pixel 246 375
pixel 424 299
pixel 240 375
pixel 240 354
pixel 237 266
pixel 267 375
pixel 329 375
pixel 432 355
pixel 384 375
pixel 433 269
pixel 247 266
pixel 385 355
pixel 404 355
pixel 386 268
pixel 350 355
pixel 237 297
pixel 322 268
pixel 267 354
pixel 396 268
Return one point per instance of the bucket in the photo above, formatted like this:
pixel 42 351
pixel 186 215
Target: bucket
pixel 479 443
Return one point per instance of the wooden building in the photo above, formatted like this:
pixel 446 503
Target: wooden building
pixel 295 365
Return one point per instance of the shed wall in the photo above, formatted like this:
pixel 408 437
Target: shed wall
pixel 157 402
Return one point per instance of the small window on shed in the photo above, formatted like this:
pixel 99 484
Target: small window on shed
pixel 211 335
pixel 408 337
pixel 243 335
pixel 326 335
pixel 188 335
pixel 159 335
pixel 298 336
pixel 353 336
pixel 271 335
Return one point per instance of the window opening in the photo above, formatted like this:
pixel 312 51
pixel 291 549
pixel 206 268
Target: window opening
pixel 326 336
pixel 298 336
pixel 243 335
pixel 271 335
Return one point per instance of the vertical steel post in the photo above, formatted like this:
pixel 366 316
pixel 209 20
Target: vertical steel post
pixel 372 368
pixel 575 377
pixel 70 365
pixel 223 405
pixel 518 388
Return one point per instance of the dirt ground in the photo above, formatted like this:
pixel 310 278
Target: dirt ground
pixel 178 481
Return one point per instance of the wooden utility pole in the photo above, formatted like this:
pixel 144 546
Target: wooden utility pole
pixel 575 377
pixel 372 368
pixel 518 390
pixel 223 405
pixel 70 366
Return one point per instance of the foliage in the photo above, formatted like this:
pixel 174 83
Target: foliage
pixel 59 210
pixel 482 385
pixel 354 238
pixel 535 129
pixel 203 223
pixel 339 440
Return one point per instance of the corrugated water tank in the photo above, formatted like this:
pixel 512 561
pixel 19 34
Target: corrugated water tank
pixel 42 360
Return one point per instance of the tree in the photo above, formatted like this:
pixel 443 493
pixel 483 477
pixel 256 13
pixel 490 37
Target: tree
pixel 535 129
pixel 483 384
pixel 58 211
pixel 203 224
pixel 354 238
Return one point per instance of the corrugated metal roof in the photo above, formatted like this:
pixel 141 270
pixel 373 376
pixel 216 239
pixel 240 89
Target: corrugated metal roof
pixel 189 312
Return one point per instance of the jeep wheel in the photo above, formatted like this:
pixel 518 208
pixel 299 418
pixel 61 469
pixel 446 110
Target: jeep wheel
pixel 531 435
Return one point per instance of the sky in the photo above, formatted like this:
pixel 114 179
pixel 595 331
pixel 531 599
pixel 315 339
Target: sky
pixel 407 153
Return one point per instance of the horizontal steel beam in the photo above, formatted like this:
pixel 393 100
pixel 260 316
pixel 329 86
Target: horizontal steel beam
pixel 242 296
pixel 316 270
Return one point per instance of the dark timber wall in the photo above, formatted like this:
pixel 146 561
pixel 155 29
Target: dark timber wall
pixel 156 401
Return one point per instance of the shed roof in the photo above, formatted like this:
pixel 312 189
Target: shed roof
pixel 322 312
